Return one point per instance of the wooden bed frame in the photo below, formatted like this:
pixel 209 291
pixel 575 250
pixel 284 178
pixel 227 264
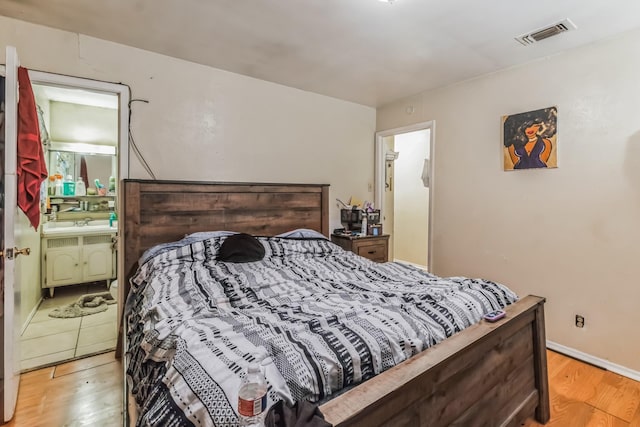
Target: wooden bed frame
pixel 490 374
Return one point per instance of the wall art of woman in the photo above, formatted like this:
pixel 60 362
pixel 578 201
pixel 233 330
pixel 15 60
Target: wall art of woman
pixel 530 139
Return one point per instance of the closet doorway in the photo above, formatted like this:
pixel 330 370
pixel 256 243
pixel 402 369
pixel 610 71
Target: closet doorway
pixel 404 188
pixel 84 129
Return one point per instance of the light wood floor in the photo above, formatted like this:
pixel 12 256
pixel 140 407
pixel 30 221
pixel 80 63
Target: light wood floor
pixel 585 396
pixel 88 392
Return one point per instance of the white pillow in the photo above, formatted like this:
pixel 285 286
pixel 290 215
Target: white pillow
pixel 303 233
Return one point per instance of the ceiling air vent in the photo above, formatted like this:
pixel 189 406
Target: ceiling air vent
pixel 546 32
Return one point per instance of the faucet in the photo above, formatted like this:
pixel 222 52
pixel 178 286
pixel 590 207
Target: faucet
pixel 83 222
pixel 53 216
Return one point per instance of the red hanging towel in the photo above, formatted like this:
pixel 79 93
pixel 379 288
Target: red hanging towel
pixel 83 171
pixel 31 168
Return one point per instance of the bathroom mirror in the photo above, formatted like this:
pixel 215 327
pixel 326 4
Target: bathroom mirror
pixel 74 158
pixel 98 166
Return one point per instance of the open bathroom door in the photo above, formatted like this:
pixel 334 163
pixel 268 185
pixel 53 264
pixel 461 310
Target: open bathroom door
pixel 10 245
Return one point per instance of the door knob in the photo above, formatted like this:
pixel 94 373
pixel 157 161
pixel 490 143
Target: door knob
pixel 23 251
pixel 12 253
pixel 7 253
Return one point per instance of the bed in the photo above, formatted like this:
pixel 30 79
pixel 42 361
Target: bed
pixel 487 374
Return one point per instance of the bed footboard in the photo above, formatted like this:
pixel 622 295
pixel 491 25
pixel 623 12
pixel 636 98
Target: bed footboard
pixel 490 374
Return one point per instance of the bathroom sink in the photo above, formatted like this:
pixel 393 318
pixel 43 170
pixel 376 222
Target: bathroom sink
pixel 96 226
pixel 97 223
pixel 57 224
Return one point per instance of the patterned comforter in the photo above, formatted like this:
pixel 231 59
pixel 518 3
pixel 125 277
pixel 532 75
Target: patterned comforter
pixel 319 319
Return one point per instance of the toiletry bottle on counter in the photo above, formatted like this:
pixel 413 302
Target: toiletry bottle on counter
pixel 102 191
pixel 68 186
pixel 81 189
pixel 52 186
pixel 112 184
pixel 58 185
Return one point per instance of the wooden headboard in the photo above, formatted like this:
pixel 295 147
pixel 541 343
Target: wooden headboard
pixel 155 212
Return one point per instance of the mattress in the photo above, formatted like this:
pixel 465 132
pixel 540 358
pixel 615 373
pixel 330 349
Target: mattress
pixel 317 318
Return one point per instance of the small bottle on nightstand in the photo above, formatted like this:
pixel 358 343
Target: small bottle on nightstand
pixel 363 231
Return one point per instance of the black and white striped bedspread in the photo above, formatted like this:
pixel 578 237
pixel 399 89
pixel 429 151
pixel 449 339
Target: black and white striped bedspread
pixel 320 318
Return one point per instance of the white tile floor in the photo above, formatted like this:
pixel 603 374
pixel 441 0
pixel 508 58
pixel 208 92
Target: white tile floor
pixel 48 340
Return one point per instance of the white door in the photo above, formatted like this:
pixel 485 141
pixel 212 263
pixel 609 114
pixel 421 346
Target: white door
pixel 11 247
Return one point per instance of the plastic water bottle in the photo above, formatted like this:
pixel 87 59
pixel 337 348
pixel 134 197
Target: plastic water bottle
pixel 252 397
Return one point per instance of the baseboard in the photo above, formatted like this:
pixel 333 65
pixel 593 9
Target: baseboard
pixel 602 363
pixel 30 316
pixel 423 267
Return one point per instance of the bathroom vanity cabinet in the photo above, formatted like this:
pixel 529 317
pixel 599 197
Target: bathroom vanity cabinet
pixel 69 259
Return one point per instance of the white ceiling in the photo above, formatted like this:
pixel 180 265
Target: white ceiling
pixel 76 96
pixel 364 51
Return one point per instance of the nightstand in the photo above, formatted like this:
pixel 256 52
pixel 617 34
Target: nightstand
pixel 376 248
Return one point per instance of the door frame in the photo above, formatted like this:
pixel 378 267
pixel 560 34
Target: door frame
pixel 124 96
pixel 51 79
pixel 379 194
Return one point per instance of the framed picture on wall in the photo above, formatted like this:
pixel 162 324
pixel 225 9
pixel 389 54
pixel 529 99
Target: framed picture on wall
pixel 530 139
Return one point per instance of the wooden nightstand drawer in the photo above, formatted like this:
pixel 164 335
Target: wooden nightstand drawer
pixel 373 251
pixel 374 248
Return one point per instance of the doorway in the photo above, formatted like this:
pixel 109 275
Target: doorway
pixel 74 260
pixel 404 191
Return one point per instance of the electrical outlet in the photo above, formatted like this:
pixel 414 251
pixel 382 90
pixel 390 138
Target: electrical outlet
pixel 579 321
pixel 370 187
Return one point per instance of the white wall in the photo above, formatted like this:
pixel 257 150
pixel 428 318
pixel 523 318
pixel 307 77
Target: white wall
pixel 203 123
pixel 570 234
pixel 98 167
pixel 86 124
pixel 207 124
pixel 83 123
pixel 411 204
